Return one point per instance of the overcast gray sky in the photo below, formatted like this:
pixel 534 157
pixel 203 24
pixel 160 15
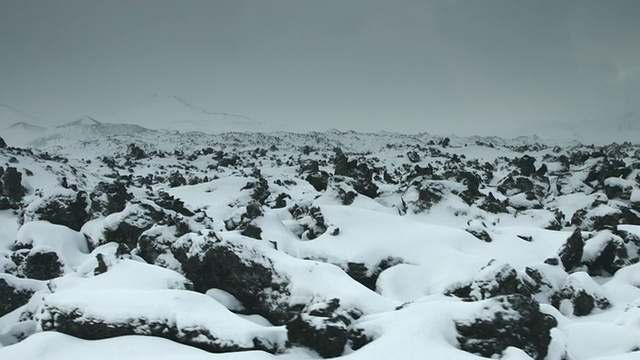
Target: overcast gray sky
pixel 440 66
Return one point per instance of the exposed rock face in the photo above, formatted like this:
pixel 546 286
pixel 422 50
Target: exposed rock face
pixel 515 320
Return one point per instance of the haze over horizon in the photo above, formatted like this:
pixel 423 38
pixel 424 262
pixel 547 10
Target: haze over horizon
pixel 445 66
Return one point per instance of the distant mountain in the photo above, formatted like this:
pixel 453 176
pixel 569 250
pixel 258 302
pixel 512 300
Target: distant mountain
pixel 17 127
pixel 174 113
pixel 10 116
pixel 83 121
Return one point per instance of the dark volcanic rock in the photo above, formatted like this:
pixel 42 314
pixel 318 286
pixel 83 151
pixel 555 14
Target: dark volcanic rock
pixel 128 225
pixel 311 221
pixel 495 279
pixel 16 292
pixel 493 205
pixel 526 164
pixel 368 277
pixel 581 291
pixel 65 207
pixel 322 328
pixel 319 180
pixel 613 251
pixel 516 321
pixel 571 252
pixel 41 264
pixel 12 184
pixel 89 323
pixel 109 198
pixel 210 262
pixel 358 171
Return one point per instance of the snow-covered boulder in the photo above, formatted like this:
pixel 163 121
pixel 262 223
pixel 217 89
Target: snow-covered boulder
pixel 185 317
pixel 62 206
pixel 507 321
pixel 495 279
pixel 580 295
pixel 266 281
pixel 15 292
pixel 571 251
pixel 322 327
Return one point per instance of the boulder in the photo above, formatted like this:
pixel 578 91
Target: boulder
pixel 182 316
pixel 494 279
pixel 513 320
pixel 41 264
pixel 322 327
pixel 61 206
pixel 210 262
pixel 580 295
pixel 16 292
pixel 571 251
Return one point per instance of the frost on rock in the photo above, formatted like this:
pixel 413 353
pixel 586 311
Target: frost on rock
pixel 513 320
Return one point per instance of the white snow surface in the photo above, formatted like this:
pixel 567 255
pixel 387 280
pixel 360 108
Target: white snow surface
pixel 406 312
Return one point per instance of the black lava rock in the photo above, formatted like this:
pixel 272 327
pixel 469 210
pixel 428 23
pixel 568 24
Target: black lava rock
pixel 571 252
pixel 516 321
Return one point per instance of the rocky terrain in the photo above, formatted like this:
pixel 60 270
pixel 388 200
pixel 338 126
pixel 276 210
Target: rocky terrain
pixel 124 242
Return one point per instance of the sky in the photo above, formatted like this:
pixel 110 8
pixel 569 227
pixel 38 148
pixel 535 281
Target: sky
pixel 442 66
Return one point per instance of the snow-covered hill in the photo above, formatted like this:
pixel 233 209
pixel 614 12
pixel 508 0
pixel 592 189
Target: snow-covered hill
pixel 174 113
pixel 122 241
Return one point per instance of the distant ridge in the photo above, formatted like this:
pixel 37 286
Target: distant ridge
pixel 10 116
pixel 83 121
pixel 175 113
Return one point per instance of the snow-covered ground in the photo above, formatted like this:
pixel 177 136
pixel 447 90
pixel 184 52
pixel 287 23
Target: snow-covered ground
pixel 120 241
